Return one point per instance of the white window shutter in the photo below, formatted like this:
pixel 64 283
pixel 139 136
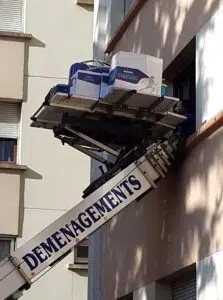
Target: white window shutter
pixel 11 15
pixel 9 120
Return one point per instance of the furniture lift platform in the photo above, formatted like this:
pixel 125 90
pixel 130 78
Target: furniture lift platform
pixel 116 125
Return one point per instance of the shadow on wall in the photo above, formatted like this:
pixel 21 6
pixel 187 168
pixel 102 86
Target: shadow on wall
pixel 171 228
pixel 88 7
pixel 28 174
pixel 180 222
pixel 33 43
pixel 81 273
pixel 164 27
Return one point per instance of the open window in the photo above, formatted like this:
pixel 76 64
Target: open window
pixel 9 131
pixel 180 78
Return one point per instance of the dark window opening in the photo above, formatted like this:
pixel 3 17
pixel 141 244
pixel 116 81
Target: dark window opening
pixel 8 149
pixel 184 287
pixel 81 253
pixel 184 88
pixel 127 297
pixel 5 248
pixel 180 75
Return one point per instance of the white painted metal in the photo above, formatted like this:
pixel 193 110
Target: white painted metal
pixel 80 104
pixel 10 279
pixel 92 141
pixel 132 182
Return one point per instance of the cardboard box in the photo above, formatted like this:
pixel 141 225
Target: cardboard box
pixel 74 69
pixel 86 84
pixel 140 72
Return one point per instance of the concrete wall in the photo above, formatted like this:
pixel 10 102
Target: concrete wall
pixel 169 229
pixel 179 223
pixel 12 68
pixel 11 187
pixel 56 174
pixel 164 28
pixel 209 43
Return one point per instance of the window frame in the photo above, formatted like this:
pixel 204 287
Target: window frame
pixel 15 147
pixel 17 138
pixel 81 260
pixel 12 241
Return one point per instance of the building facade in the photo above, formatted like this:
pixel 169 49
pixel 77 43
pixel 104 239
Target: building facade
pixel 39 178
pixel 169 245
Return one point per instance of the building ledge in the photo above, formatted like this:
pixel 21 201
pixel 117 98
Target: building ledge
pixel 85 2
pixel 12 166
pixel 76 267
pixel 205 131
pixel 17 35
pixel 124 25
pixel 11 100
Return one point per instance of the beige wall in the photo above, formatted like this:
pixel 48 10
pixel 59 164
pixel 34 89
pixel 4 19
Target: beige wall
pixel 12 68
pixel 164 28
pixel 63 36
pixel 11 200
pixel 172 227
pixel 56 175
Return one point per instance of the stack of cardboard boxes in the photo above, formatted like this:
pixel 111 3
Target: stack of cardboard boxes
pixel 128 71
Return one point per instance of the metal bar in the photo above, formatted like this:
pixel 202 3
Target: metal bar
pixel 155 103
pixel 123 99
pixel 155 164
pixel 33 117
pixel 146 175
pixel 167 149
pixel 92 141
pixel 165 125
pixel 17 264
pixel 91 154
pixel 161 158
pixel 164 154
pixel 159 161
pixel 104 110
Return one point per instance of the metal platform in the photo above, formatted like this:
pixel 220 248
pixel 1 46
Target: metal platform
pixel 115 125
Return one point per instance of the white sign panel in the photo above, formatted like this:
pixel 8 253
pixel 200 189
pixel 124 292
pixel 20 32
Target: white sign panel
pixel 74 226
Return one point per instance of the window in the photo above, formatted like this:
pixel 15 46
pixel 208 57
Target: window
pixel 184 288
pixel 11 15
pixel 81 253
pixel 127 297
pixel 9 131
pixel 117 10
pixel 184 85
pixel 184 89
pixel 127 6
pixel 6 247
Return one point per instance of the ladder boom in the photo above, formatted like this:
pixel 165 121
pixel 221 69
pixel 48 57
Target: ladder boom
pixel 18 271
